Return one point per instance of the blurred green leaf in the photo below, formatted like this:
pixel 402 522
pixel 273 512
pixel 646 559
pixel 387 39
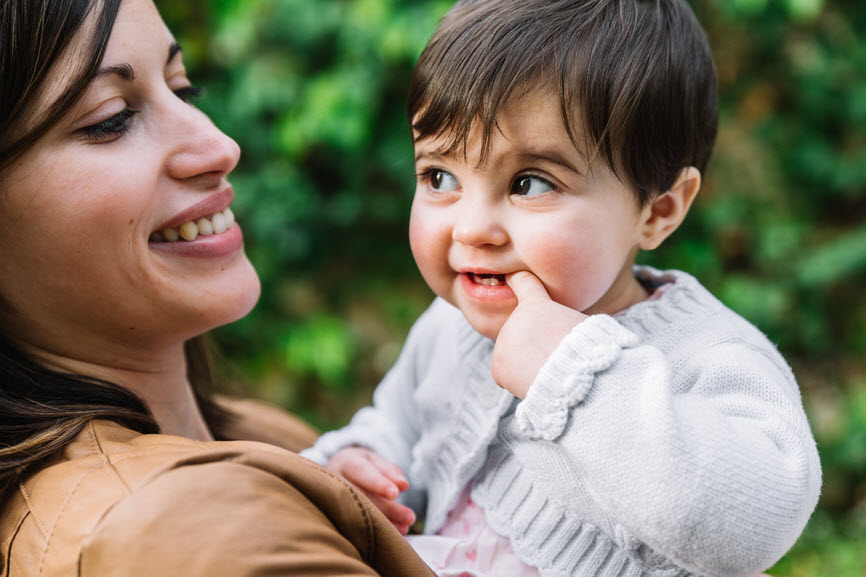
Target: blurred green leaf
pixel 322 347
pixel 835 260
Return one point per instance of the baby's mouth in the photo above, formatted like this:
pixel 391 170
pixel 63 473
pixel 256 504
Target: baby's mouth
pixel 488 279
pixel 218 222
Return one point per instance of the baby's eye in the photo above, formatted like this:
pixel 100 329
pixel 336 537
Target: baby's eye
pixel 529 185
pixel 442 181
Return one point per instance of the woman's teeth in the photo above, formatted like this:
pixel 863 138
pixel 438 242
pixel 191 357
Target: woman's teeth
pixel 489 279
pixel 189 231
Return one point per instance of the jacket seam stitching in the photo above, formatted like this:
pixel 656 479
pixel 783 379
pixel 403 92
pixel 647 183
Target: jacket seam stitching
pixel 32 508
pixel 54 524
pixel 368 524
pixel 106 462
pixel 7 562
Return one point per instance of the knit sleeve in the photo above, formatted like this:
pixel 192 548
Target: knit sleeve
pixel 709 461
pixel 389 427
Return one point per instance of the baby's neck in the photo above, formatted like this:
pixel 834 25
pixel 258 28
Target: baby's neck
pixel 625 292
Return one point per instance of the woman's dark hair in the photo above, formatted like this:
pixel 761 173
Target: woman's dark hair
pixel 42 410
pixel 635 80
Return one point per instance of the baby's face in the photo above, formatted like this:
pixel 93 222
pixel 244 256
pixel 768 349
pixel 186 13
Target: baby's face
pixel 534 206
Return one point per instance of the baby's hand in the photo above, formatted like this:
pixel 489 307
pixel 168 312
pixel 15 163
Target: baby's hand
pixel 380 480
pixel 532 332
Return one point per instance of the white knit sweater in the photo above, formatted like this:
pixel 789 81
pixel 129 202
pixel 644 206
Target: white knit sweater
pixel 668 441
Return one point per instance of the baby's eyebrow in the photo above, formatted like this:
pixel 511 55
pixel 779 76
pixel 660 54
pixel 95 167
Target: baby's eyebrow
pixel 550 156
pixel 429 155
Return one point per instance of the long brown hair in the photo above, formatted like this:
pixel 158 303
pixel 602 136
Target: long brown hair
pixel 43 410
pixel 635 80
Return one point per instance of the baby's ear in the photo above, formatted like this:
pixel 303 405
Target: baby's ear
pixel 664 214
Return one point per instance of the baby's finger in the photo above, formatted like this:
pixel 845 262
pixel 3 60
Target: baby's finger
pixel 526 286
pixel 401 516
pixel 391 471
pixel 367 476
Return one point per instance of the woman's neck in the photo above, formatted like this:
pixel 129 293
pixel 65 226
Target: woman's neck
pixel 161 382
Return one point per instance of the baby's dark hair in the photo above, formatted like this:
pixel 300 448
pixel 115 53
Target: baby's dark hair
pixel 635 79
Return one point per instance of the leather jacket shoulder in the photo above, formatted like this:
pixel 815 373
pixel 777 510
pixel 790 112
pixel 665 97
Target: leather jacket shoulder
pixel 118 503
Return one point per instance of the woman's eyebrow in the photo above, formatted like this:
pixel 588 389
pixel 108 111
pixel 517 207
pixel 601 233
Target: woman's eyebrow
pixel 125 71
pixel 173 51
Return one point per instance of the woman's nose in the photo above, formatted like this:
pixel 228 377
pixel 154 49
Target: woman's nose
pixel 478 223
pixel 200 147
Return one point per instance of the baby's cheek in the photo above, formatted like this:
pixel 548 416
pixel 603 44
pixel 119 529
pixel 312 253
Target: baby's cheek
pixel 573 272
pixel 429 244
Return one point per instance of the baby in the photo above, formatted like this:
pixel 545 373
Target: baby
pixel 559 411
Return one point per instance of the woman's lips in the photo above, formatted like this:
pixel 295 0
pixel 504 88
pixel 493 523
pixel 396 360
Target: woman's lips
pixel 212 204
pixel 204 246
pixel 216 223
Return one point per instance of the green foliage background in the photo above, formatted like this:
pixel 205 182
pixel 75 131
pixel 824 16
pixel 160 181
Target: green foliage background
pixel 314 90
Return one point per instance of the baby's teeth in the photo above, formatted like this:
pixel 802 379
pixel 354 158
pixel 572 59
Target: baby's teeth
pixel 188 231
pixel 230 217
pixel 490 281
pixel 170 234
pixel 205 228
pixel 219 223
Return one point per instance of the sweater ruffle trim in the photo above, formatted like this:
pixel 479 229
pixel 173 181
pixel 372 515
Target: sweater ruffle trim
pixel 568 374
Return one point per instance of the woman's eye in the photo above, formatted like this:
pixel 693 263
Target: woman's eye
pixel 442 181
pixel 111 128
pixel 188 93
pixel 531 186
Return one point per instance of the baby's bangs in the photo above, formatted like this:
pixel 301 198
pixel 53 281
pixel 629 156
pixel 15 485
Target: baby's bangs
pixel 635 81
pixel 457 118
pixel 477 63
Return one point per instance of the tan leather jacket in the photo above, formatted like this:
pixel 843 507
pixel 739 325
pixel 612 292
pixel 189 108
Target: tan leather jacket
pixel 118 503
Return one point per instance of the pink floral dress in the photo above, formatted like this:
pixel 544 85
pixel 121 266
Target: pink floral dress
pixel 466 546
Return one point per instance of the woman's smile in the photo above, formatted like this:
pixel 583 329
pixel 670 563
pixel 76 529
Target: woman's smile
pixel 192 242
pixel 207 229
pixel 217 223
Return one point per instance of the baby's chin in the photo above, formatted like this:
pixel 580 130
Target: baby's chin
pixel 485 321
pixel 487 325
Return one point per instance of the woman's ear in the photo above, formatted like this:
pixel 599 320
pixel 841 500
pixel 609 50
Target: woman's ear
pixel 664 214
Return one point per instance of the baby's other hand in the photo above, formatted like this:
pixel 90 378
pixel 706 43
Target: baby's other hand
pixel 378 479
pixel 532 332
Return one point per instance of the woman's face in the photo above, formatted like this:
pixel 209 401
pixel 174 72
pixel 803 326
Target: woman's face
pixel 82 272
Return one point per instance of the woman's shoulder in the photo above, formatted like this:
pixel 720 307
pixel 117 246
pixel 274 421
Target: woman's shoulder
pixel 254 420
pixel 121 503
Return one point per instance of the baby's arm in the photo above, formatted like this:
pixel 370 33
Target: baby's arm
pixel 708 460
pixel 390 426
pixel 374 451
pixel 378 479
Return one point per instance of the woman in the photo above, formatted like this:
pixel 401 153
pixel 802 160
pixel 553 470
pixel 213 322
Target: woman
pixel 119 249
